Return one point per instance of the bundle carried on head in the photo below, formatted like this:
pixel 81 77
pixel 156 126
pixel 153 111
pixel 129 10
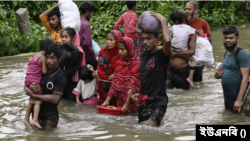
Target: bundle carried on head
pixel 148 23
pixel 70 15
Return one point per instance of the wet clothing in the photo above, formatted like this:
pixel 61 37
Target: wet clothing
pixel 154 115
pixel 86 41
pixel 33 75
pixel 54 34
pixel 231 78
pixel 106 66
pixel 129 19
pixel 50 83
pixel 70 64
pixel 198 72
pixel 49 124
pixel 177 78
pixel 153 75
pixel 126 77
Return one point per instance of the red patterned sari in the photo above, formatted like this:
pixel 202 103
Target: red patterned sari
pixel 126 77
pixel 106 66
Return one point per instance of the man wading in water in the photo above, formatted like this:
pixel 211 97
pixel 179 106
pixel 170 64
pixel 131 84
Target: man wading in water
pixel 203 28
pixel 234 74
pixel 52 84
pixel 153 99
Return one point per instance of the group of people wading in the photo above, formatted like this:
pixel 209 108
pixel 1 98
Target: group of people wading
pixel 132 71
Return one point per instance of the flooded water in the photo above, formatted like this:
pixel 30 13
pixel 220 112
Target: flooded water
pixel 202 105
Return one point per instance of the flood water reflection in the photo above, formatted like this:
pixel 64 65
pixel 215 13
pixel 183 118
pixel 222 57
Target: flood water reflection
pixel 202 105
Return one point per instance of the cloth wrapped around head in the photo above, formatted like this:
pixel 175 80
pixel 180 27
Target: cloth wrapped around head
pixel 126 74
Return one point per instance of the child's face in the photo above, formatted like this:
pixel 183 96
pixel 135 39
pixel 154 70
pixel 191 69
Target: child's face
pixel 66 38
pixel 86 81
pixel 123 52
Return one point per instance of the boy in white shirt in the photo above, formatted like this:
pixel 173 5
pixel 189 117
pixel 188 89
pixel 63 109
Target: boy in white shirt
pixel 181 32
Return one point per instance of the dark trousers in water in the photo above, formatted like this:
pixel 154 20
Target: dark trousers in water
pixel 198 72
pixel 49 124
pixel 177 78
pixel 229 102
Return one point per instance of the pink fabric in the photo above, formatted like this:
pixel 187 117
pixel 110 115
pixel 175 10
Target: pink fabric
pixel 91 101
pixel 76 93
pixel 96 85
pixel 75 77
pixel 129 19
pixel 33 72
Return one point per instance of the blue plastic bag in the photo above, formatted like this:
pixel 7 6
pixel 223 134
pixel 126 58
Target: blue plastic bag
pixel 96 48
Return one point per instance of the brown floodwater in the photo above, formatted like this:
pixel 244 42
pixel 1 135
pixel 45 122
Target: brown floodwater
pixel 202 105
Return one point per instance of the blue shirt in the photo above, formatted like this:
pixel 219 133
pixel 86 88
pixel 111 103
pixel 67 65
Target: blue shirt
pixel 231 78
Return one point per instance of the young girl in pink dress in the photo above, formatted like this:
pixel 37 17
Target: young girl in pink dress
pixel 36 67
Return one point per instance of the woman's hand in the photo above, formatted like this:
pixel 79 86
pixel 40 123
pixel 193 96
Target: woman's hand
pixel 111 77
pixel 105 103
pixel 135 97
pixel 125 108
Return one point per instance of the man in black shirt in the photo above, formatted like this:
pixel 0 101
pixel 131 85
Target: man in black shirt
pixel 52 84
pixel 153 99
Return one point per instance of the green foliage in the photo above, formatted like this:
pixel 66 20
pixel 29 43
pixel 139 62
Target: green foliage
pixel 216 13
pixel 221 13
pixel 11 40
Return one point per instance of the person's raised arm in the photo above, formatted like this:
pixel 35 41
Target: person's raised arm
pixel 191 48
pixel 166 33
pixel 49 10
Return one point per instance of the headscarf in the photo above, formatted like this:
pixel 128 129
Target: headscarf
pixel 126 74
pixel 75 77
pixel 106 64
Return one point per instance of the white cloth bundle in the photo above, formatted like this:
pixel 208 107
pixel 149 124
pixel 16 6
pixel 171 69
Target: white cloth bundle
pixel 70 15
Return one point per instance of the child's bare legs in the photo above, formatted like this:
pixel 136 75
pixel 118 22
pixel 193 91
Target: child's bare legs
pixel 35 116
pixel 26 120
pixel 190 78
